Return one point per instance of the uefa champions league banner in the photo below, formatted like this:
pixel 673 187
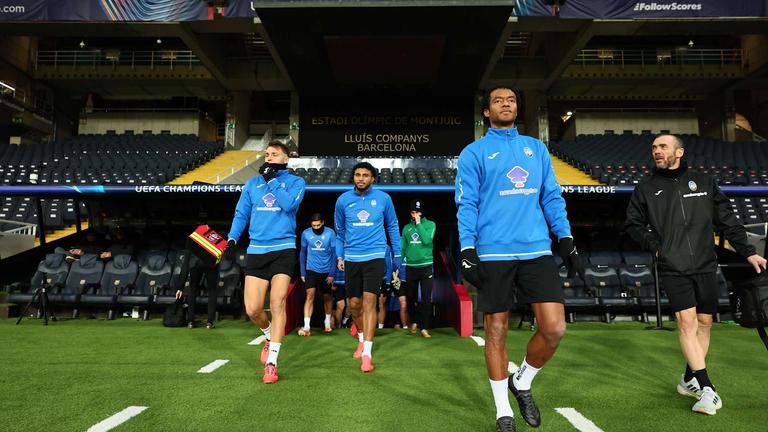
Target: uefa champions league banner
pixel 630 9
pixel 247 8
pixel 534 8
pixel 103 10
pixel 189 190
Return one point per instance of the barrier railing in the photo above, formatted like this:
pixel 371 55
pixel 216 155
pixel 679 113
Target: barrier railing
pixel 659 57
pixel 22 229
pixel 115 57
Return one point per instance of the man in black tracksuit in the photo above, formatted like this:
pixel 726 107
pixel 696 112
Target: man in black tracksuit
pixel 673 214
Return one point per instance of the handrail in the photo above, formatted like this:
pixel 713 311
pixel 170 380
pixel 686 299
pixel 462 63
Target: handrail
pixel 659 57
pixel 755 137
pixel 35 105
pixel 116 57
pixel 230 170
pixel 24 229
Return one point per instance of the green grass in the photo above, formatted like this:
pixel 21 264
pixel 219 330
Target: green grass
pixel 72 374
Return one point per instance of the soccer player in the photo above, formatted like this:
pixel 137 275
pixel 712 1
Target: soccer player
pixel 317 262
pixel 416 244
pixel 386 288
pixel 268 205
pixel 364 217
pixel 340 315
pixel 508 200
pixel 400 286
pixel 682 208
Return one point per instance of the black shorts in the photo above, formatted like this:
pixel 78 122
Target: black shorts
pixel 265 266
pixel 364 276
pixel 520 281
pixel 685 292
pixel 340 293
pixel 317 280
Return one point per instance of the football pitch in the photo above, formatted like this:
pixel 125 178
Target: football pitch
pixel 73 374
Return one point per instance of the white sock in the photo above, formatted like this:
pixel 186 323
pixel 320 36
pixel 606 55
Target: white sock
pixel 267 331
pixel 524 376
pixel 327 320
pixel 306 323
pixel 367 347
pixel 274 350
pixel 381 325
pixel 360 337
pixel 501 398
pixel 344 320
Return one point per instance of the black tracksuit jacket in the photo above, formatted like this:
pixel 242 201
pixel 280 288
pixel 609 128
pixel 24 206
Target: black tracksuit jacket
pixel 679 210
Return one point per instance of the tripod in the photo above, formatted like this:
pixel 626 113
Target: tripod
pixel 659 325
pixel 40 296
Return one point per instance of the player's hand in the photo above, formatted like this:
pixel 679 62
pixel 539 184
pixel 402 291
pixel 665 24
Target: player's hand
pixel 570 257
pixel 417 219
pixel 340 264
pixel 268 171
pixel 303 279
pixel 395 274
pixel 471 269
pixel 758 262
pixel 229 251
pixel 396 283
pixel 179 293
pixel 329 280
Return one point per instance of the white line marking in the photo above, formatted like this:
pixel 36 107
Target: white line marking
pixel 212 366
pixel 512 367
pixel 258 340
pixel 117 419
pixel 478 340
pixel 577 420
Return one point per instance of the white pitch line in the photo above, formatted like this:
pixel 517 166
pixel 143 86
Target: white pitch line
pixel 258 340
pixel 512 367
pixel 478 340
pixel 117 419
pixel 212 366
pixel 578 420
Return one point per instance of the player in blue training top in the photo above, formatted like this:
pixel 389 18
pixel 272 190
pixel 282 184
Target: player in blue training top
pixel 317 262
pixel 268 205
pixel 508 200
pixel 364 217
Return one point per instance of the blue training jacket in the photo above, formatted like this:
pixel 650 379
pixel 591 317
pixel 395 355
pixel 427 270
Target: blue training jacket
pixel 361 221
pixel 508 198
pixel 269 209
pixel 318 252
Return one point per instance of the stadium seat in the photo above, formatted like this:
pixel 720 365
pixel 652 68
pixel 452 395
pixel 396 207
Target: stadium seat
pixel 51 272
pixel 578 297
pixel 230 289
pixel 602 277
pixel 636 272
pixel 84 275
pixel 154 278
pixel 119 275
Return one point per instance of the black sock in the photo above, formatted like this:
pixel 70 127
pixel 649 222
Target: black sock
pixel 703 379
pixel 688 373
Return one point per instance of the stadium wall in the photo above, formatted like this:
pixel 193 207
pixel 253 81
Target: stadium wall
pixel 176 123
pixel 637 122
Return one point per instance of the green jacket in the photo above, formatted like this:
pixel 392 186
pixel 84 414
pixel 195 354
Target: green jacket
pixel 416 243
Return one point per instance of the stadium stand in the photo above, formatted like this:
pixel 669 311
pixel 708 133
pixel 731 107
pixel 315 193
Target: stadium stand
pixel 105 159
pixel 625 159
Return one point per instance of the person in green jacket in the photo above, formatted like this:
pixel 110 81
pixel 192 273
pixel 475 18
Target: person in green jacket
pixel 416 246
